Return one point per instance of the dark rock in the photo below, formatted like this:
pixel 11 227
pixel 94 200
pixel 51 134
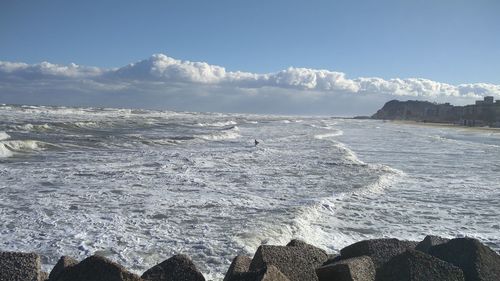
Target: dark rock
pixel 430 241
pixel 43 276
pixel 478 262
pixel 62 264
pixel 418 266
pixel 176 268
pixel 268 273
pixel 271 273
pixel 16 266
pixel 96 268
pixel 353 269
pixel 293 262
pixel 313 254
pixel 380 250
pixel 240 264
pixel 332 258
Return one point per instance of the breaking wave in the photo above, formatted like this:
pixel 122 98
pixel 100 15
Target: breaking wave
pixel 31 127
pixel 10 147
pixel 231 133
pixel 217 124
pixel 329 135
pixel 4 136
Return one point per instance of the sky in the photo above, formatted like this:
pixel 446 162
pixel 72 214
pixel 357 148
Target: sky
pixel 297 57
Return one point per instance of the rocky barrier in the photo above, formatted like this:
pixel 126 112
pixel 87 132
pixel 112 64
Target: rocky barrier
pixel 433 259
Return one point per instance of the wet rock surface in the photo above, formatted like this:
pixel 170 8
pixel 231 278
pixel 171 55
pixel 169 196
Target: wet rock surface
pixel 176 268
pixel 478 262
pixel 15 266
pixel 352 269
pixel 414 265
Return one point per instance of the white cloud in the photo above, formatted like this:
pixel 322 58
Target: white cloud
pixel 175 82
pixel 46 69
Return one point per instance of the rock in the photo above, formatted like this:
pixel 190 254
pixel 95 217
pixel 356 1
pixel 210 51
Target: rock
pixel 271 273
pixel 43 276
pixel 240 264
pixel 430 241
pixel 96 268
pixel 313 254
pixel 293 262
pixel 380 250
pixel 477 261
pixel 15 266
pixel 62 264
pixel 268 273
pixel 353 269
pixel 414 265
pixel 176 268
pixel 332 258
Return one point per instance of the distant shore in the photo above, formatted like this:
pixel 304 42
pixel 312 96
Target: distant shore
pixel 445 125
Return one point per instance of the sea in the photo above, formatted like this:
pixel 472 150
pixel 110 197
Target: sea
pixel 139 186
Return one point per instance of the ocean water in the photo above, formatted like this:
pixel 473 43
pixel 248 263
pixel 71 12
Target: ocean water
pixel 138 186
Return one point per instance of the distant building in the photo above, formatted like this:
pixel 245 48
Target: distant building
pixel 488 100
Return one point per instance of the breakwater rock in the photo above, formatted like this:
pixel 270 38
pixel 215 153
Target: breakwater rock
pixel 433 259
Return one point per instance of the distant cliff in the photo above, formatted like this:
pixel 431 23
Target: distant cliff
pixel 483 113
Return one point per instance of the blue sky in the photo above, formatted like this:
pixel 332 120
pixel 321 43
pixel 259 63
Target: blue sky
pixel 450 41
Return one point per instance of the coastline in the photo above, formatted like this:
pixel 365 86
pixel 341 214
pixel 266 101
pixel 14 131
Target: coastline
pixel 445 125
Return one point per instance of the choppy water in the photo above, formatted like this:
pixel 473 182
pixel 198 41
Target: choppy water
pixel 139 186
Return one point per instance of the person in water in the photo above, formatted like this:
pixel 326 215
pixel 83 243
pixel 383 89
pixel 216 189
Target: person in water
pixel 256 142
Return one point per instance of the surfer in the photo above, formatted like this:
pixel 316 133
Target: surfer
pixel 256 142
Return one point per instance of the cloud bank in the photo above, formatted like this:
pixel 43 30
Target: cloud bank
pixel 167 83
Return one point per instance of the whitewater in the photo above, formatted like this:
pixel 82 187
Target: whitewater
pixel 138 186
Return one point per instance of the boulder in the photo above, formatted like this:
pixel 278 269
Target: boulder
pixel 240 264
pixel 380 250
pixel 429 241
pixel 268 273
pixel 16 266
pixel 96 268
pixel 176 268
pixel 478 262
pixel 414 265
pixel 313 254
pixel 353 269
pixel 271 273
pixel 62 264
pixel 293 262
pixel 332 258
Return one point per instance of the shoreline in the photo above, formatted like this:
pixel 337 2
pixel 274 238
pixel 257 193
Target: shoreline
pixel 443 125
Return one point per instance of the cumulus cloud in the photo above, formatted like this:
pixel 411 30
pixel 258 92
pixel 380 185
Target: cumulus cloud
pixel 187 85
pixel 47 70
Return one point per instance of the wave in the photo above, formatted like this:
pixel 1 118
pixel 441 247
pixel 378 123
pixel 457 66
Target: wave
pixel 10 147
pixel 462 141
pixel 4 136
pixel 329 135
pixel 31 127
pixel 315 223
pixel 232 133
pixel 84 124
pixel 217 124
pixel 348 154
pixel 388 177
